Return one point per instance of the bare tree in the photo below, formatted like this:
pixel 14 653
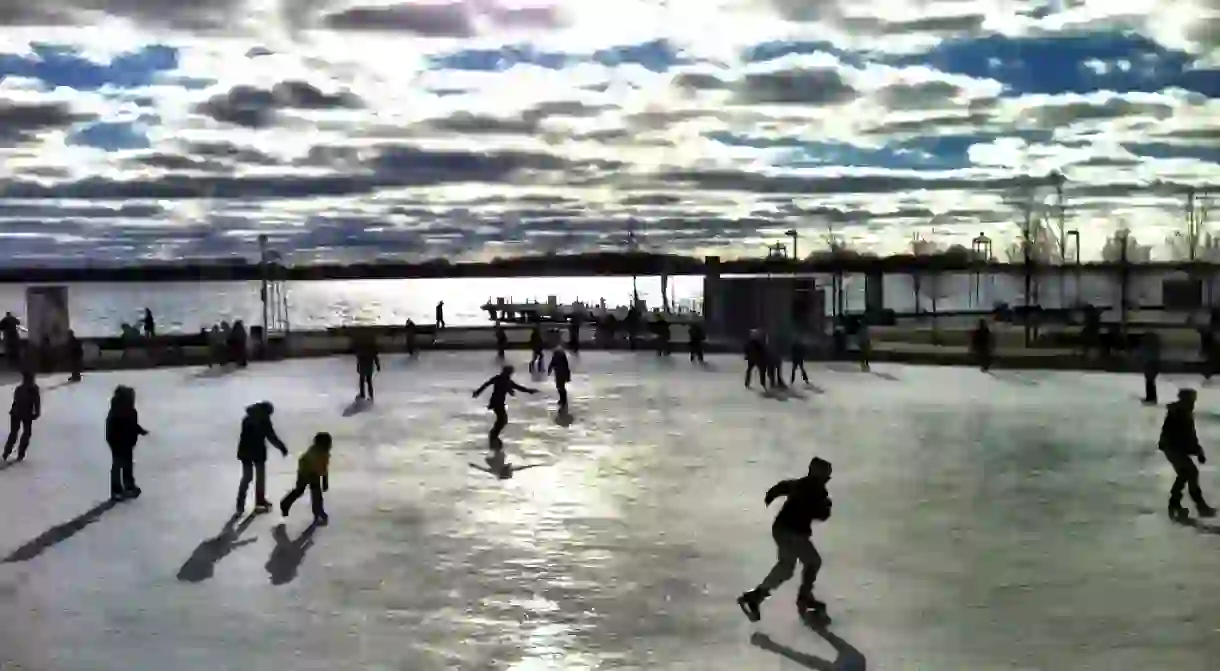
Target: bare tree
pixel 1194 243
pixel 928 283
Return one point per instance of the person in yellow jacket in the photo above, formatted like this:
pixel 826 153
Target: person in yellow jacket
pixel 313 473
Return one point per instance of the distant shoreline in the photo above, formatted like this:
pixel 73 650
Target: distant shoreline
pixel 577 265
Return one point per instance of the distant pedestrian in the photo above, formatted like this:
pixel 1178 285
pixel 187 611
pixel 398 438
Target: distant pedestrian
pixel 368 360
pixel 412 348
pixel 440 315
pixel 798 358
pixel 982 345
pixel 501 341
pixel 76 356
pixel 150 324
pixel 697 338
pixel 1150 355
pixel 562 370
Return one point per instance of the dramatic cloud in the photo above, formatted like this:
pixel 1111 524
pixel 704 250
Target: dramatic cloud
pixel 476 128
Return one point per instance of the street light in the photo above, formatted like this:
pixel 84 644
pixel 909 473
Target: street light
pixel 1075 235
pixel 980 248
pixel 791 232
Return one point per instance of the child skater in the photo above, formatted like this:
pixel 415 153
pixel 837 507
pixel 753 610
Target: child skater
pixel 807 500
pixel 26 409
pixel 502 385
pixel 562 370
pixel 122 431
pixel 313 473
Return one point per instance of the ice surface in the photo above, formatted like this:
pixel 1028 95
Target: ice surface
pixel 981 522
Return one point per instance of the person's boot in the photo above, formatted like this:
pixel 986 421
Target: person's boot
pixel 750 602
pixel 134 493
pixel 262 507
pixel 1177 512
pixel 1205 510
pixel 284 508
pixel 806 603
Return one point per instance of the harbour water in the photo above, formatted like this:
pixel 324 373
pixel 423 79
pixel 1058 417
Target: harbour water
pixel 99 309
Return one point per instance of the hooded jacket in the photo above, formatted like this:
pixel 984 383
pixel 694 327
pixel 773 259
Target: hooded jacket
pixel 256 432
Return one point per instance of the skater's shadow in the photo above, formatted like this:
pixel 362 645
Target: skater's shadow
pixel 356 407
pixel 1201 527
pixel 214 372
pixel 773 394
pixel 707 366
pixel 885 376
pixel 503 470
pixel 5 465
pixel 814 389
pixel 58 534
pixel 847 657
pixel 58 385
pixel 202 563
pixel 288 554
pixel 1015 378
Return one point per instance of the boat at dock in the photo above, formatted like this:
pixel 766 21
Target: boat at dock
pixel 552 311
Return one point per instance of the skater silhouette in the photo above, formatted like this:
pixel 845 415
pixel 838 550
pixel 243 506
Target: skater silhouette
pixel 368 360
pixel 562 370
pixel 1180 443
pixel 440 315
pixel 536 346
pixel 26 408
pixel 807 501
pixel 1150 355
pixel 123 431
pixel 256 431
pixel 313 473
pixel 756 358
pixel 982 345
pixel 697 337
pixel 501 341
pixel 502 386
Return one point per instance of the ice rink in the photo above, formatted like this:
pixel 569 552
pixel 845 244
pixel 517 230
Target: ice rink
pixel 1006 521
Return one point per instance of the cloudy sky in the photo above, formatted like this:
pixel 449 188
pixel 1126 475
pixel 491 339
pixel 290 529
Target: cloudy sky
pixel 352 129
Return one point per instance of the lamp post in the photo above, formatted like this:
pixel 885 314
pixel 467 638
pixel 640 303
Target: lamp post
pixel 1075 236
pixel 980 248
pixel 791 232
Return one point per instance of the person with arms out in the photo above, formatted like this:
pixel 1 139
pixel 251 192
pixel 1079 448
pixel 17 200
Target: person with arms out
pixel 502 386
pixel 123 430
pixel 256 431
pixel 1179 443
pixel 26 409
pixel 807 501
pixel 313 473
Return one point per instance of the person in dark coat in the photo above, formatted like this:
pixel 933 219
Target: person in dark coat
pixel 412 345
pixel 697 337
pixel 76 356
pixel 663 336
pixel 1150 354
pixel 256 431
pixel 240 352
pixel 368 359
pixel 756 358
pixel 1180 443
pixel 807 502
pixel 574 332
pixel 123 430
pixel 536 346
pixel 502 386
pixel 981 344
pixel 26 408
pixel 10 331
pixel 798 358
pixel 440 315
pixel 150 324
pixel 501 341
pixel 562 370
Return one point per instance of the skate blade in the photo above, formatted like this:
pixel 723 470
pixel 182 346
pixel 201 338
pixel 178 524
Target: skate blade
pixel 746 611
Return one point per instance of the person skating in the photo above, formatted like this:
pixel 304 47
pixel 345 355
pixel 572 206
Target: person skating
pixel 313 473
pixel 663 336
pixel 981 345
pixel 864 340
pixel 756 357
pixel 76 356
pixel 562 370
pixel 123 430
pixel 150 324
pixel 574 332
pixel 440 315
pixel 697 337
pixel 10 331
pixel 412 350
pixel 256 431
pixel 1179 443
pixel 1150 355
pixel 536 345
pixel 807 501
pixel 26 409
pixel 798 358
pixel 368 360
pixel 501 341
pixel 502 386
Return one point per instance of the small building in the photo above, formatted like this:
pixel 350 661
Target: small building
pixel 778 304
